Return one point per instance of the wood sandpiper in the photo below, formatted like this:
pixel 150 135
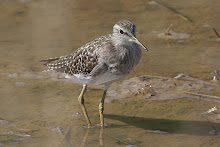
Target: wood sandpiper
pixel 102 61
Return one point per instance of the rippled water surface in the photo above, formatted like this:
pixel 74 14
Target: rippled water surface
pixel 35 110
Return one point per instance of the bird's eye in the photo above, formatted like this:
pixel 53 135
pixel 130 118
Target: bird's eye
pixel 121 32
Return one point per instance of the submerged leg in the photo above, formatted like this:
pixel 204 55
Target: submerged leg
pixel 101 106
pixel 81 102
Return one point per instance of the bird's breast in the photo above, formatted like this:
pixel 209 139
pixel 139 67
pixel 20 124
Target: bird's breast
pixel 127 59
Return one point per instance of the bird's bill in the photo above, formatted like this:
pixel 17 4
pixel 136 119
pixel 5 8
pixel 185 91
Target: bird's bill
pixel 138 42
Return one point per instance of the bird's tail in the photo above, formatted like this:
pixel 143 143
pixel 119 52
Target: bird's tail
pixel 47 61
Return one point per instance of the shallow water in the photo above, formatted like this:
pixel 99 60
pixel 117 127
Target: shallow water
pixel 32 30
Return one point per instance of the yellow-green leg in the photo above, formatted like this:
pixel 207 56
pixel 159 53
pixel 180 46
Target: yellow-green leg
pixel 81 102
pixel 101 106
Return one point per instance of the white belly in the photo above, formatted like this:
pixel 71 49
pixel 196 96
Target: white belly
pixel 107 77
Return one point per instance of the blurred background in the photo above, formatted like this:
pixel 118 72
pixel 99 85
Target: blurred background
pixel 180 38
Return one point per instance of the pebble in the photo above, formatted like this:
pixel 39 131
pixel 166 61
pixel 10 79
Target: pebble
pixel 2 121
pixel 13 75
pixel 181 41
pixel 21 83
pixel 24 1
pixel 56 130
pixel 215 72
pixel 206 25
pixel 17 134
pixel 86 127
pixel 159 132
pixel 131 146
pixel 105 125
pixel 213 132
pixel 77 114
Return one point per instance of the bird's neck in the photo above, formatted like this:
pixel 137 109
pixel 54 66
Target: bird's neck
pixel 119 41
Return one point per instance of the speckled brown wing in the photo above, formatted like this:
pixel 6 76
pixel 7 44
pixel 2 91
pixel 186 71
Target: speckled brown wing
pixel 82 61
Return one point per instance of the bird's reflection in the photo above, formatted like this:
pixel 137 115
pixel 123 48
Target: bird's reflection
pixel 101 137
pixel 85 137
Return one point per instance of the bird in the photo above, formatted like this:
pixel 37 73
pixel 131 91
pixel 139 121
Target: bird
pixel 102 61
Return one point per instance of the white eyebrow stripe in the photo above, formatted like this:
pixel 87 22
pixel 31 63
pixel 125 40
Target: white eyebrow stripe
pixel 117 27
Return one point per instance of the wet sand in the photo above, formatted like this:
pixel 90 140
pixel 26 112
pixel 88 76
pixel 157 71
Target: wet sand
pixel 33 110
